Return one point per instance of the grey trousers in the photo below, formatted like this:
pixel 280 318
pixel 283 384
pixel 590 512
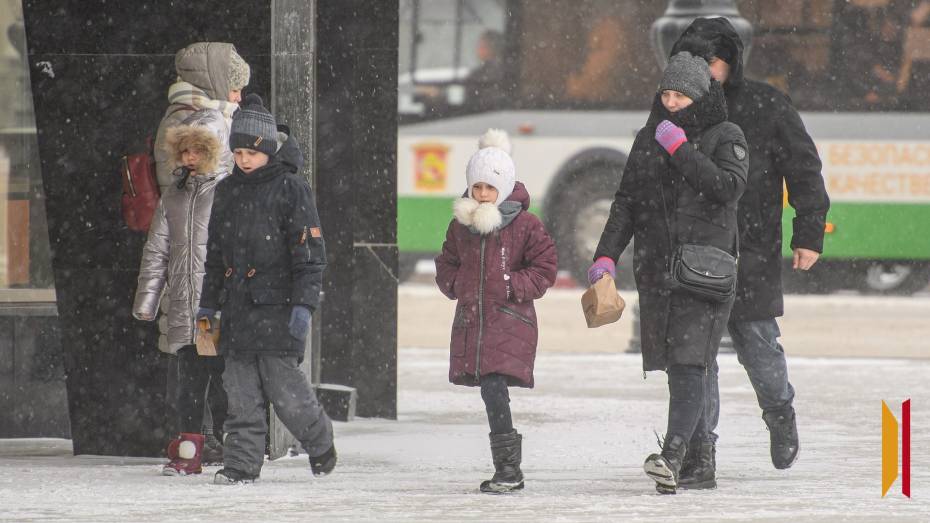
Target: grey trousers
pixel 250 381
pixel 758 351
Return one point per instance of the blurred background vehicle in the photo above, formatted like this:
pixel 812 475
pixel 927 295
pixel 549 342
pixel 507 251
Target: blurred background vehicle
pixel 572 80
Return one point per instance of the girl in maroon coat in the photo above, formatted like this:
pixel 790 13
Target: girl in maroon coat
pixel 497 259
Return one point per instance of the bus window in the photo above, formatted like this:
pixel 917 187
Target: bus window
pixel 451 57
pixel 592 55
pixel 850 55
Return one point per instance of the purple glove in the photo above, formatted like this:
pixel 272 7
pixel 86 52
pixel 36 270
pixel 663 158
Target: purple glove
pixel 670 136
pixel 603 265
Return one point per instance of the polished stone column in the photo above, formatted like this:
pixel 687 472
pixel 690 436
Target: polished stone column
pixel 100 73
pixel 357 195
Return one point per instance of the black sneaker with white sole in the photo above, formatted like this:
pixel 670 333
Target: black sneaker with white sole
pixel 664 468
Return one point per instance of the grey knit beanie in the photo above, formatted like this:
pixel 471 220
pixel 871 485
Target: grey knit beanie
pixel 687 74
pixel 253 127
pixel 239 71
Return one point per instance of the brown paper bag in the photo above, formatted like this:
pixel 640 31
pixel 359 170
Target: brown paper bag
pixel 601 303
pixel 207 338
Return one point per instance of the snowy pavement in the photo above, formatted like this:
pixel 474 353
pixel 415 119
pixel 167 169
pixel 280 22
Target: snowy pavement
pixel 841 324
pixel 588 426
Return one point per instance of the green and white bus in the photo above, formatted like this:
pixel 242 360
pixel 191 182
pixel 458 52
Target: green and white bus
pixel 574 80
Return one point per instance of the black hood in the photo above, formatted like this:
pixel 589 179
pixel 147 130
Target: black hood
pixel 289 154
pixel 724 42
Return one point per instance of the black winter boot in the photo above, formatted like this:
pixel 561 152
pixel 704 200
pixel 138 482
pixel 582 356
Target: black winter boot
pixel 664 468
pixel 700 467
pixel 783 435
pixel 506 452
pixel 324 464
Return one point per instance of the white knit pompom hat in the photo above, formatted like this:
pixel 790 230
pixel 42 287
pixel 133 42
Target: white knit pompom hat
pixel 493 165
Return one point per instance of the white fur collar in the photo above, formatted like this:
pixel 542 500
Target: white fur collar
pixel 483 217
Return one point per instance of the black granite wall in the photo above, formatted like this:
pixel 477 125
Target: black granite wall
pixel 100 74
pixel 357 195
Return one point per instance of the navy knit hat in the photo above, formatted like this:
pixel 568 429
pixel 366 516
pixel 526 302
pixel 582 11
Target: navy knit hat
pixel 253 127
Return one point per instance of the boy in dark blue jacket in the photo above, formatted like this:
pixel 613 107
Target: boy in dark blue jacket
pixel 264 270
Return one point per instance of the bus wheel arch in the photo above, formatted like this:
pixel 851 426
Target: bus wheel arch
pixel 893 277
pixel 577 205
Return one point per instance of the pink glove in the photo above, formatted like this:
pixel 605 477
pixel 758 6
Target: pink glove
pixel 670 136
pixel 601 266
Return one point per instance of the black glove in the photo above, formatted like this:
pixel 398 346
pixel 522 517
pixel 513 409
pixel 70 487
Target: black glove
pixel 299 325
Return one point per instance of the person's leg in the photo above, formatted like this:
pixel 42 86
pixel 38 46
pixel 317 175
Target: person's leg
pixel 686 400
pixel 245 427
pixel 497 403
pixel 685 415
pixel 216 395
pixel 759 352
pixel 712 401
pixel 295 403
pixel 506 443
pixel 192 379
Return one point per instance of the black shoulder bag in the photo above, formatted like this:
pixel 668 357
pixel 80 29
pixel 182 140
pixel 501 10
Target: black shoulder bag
pixel 706 271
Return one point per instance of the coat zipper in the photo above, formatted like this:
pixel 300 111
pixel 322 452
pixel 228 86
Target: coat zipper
pixel 480 312
pixel 190 257
pixel 514 313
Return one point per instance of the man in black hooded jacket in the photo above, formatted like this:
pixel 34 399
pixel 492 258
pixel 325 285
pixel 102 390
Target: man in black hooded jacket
pixel 781 153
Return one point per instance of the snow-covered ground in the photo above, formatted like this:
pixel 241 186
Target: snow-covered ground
pixel 588 426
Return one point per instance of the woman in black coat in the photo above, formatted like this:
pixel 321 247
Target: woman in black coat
pixel 686 171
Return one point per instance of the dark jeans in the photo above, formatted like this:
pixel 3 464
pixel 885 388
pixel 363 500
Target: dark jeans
pixel 251 381
pixel 199 376
pixel 758 351
pixel 497 403
pixel 686 402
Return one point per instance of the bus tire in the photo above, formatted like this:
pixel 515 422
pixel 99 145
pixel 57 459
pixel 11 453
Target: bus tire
pixel 893 277
pixel 577 217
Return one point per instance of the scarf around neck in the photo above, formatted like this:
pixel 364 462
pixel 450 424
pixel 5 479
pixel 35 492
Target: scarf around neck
pixel 185 93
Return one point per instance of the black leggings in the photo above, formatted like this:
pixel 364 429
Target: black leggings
pixel 686 402
pixel 198 375
pixel 497 403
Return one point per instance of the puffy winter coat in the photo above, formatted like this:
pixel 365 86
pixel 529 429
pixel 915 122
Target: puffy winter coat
pixel 781 153
pixel 265 255
pixel 173 256
pixel 203 72
pixel 495 271
pixel 693 192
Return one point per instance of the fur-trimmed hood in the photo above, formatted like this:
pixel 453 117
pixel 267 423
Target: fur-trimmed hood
pixel 484 218
pixel 183 137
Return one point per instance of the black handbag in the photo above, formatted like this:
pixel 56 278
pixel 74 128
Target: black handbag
pixel 705 270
